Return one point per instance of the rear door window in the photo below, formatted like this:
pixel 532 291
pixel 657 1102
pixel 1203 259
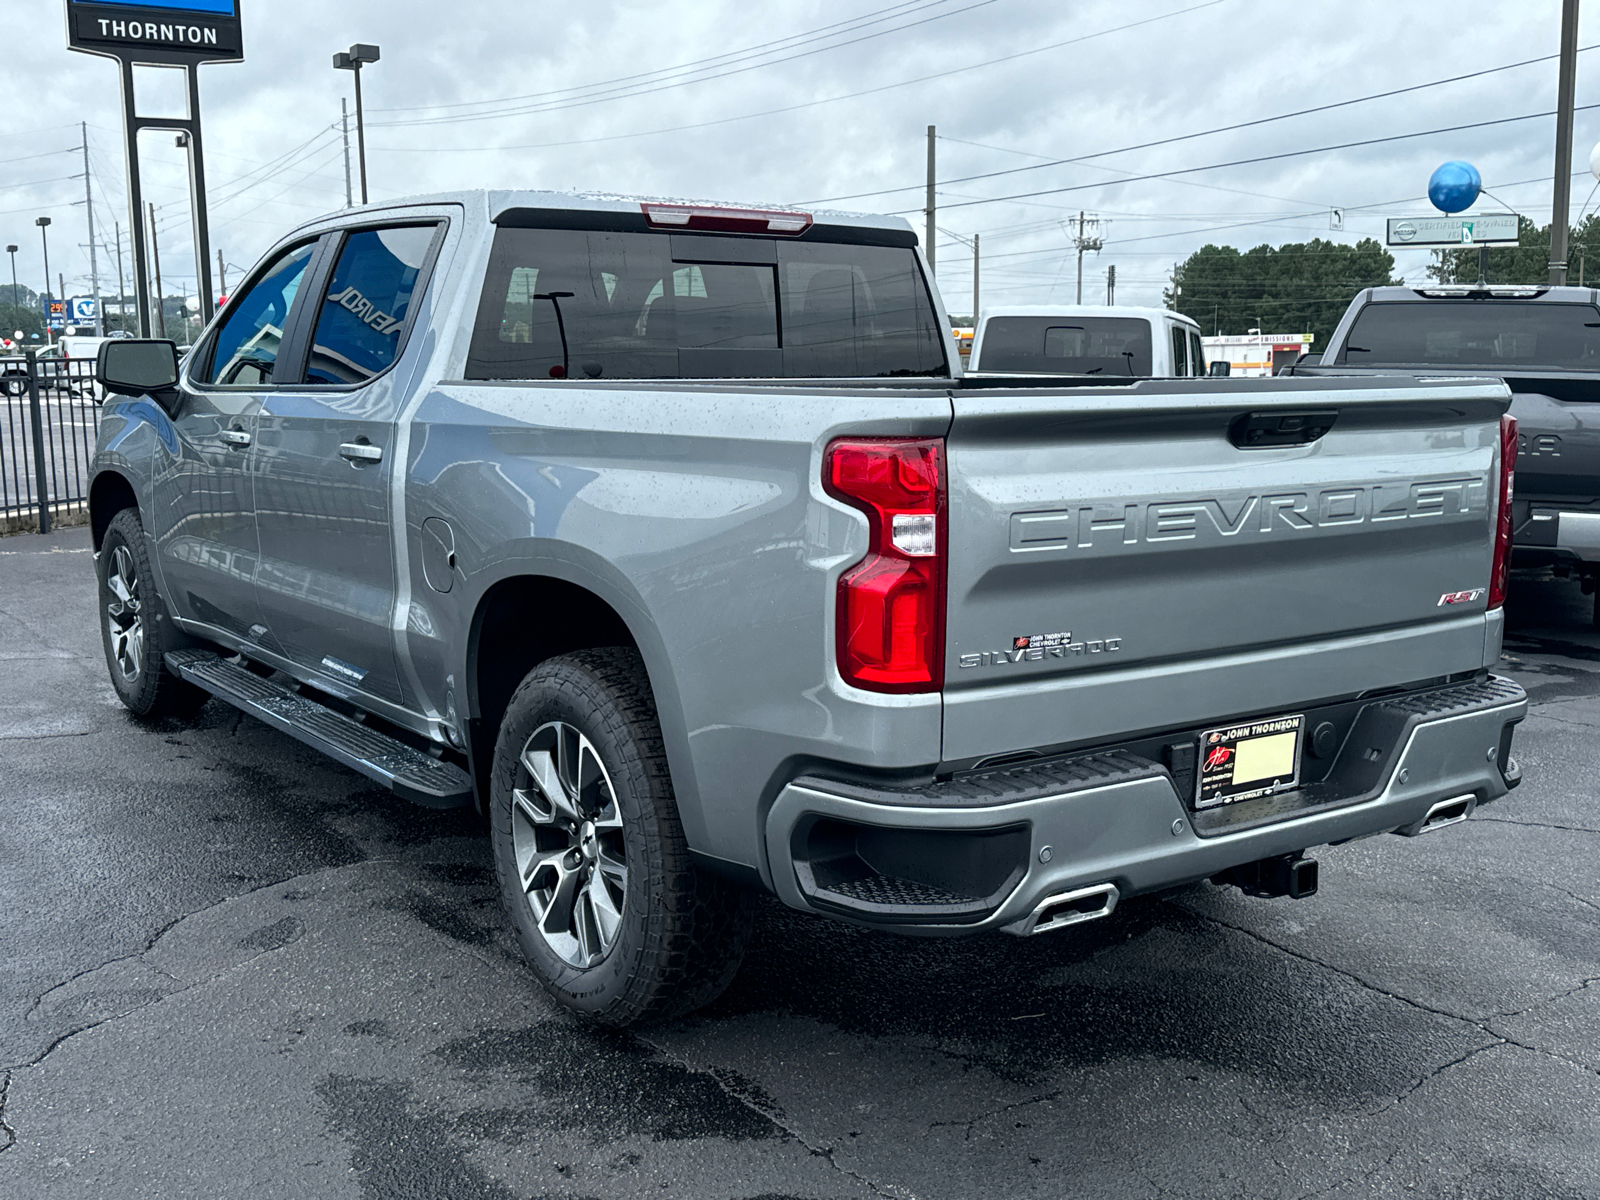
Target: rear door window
pixel 364 309
pixel 1197 355
pixel 1179 344
pixel 562 303
pixel 1067 346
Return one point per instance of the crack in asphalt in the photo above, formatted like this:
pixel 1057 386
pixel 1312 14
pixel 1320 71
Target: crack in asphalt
pixel 9 1133
pixel 1482 1026
pixel 1004 1108
pixel 1538 824
pixel 775 1116
pixel 43 737
pixel 146 949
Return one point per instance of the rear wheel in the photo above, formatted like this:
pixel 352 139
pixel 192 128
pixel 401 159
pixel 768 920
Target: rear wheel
pixel 608 907
pixel 134 629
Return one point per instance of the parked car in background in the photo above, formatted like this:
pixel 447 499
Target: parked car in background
pixel 58 372
pixel 675 538
pixel 1087 339
pixel 1544 342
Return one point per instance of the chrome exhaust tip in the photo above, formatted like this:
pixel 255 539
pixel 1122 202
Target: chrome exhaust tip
pixel 1446 812
pixel 1072 908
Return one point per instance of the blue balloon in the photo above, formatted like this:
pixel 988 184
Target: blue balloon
pixel 1454 187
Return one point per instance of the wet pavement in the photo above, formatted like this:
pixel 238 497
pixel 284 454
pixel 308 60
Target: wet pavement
pixel 234 969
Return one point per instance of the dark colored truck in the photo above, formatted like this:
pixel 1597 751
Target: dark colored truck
pixel 1544 342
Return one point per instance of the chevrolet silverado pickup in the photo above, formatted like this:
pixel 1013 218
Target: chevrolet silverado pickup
pixel 1544 342
pixel 672 537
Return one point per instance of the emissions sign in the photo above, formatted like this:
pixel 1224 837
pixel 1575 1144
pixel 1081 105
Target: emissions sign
pixel 1496 229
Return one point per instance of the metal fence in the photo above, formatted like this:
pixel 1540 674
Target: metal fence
pixel 47 435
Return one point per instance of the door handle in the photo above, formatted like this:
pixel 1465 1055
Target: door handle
pixel 361 452
pixel 236 437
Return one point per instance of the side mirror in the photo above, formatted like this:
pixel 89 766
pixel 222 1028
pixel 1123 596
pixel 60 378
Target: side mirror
pixel 1220 370
pixel 135 367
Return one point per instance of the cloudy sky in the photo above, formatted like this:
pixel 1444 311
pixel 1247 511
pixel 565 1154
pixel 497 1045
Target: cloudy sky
pixel 811 101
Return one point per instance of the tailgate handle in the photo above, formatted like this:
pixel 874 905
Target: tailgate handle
pixel 1271 430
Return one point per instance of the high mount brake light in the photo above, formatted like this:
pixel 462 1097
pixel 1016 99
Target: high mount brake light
pixel 711 219
pixel 891 604
pixel 1500 572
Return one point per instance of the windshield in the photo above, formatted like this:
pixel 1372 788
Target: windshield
pixel 1475 333
pixel 1066 345
pixel 570 303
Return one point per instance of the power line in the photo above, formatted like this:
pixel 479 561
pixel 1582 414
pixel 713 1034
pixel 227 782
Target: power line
pixel 1251 124
pixel 1243 162
pixel 626 93
pixel 615 137
pixel 818 34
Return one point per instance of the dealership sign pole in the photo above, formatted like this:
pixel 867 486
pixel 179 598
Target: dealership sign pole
pixel 161 33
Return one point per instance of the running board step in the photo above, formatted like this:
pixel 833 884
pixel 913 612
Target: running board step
pixel 409 773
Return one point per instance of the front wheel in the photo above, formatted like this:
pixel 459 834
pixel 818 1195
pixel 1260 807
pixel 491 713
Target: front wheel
pixel 596 876
pixel 133 629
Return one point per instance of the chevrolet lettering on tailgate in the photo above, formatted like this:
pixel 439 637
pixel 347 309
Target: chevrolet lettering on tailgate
pixel 1107 524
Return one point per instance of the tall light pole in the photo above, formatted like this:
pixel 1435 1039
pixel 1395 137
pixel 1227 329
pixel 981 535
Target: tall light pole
pixel 12 250
pixel 353 60
pixel 44 233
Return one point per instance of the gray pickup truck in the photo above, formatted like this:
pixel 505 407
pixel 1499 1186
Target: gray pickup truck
pixel 671 537
pixel 1544 342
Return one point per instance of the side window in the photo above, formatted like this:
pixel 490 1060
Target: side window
pixel 364 309
pixel 1178 344
pixel 245 349
pixel 1197 355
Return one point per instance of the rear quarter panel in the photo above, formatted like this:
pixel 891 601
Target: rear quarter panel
pixel 697 513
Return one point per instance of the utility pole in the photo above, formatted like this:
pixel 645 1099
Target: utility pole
pixel 222 276
pixel 1084 242
pixel 1566 86
pixel 94 266
pixel 344 121
pixel 929 208
pixel 44 233
pixel 122 291
pixel 1111 284
pixel 974 281
pixel 155 255
pixel 12 250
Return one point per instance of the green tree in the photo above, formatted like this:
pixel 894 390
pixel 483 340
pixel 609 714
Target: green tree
pixel 1526 262
pixel 18 316
pixel 1302 287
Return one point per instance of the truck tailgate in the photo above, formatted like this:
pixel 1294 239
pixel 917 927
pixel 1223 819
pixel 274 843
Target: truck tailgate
pixel 1118 564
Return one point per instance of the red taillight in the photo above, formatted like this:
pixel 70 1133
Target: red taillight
pixel 1501 569
pixel 713 219
pixel 891 603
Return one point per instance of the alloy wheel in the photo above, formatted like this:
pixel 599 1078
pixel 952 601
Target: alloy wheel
pixel 566 831
pixel 124 620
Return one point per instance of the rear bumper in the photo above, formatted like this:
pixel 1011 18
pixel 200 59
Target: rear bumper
pixel 984 852
pixel 1558 533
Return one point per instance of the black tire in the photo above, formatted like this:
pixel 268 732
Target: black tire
pixel 681 933
pixel 139 675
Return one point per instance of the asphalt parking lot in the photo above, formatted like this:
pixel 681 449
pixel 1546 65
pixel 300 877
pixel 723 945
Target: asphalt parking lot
pixel 234 969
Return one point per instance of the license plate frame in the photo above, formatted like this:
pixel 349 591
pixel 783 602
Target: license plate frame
pixel 1274 765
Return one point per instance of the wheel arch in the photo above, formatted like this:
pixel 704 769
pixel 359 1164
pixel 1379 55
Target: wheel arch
pixel 525 618
pixel 109 494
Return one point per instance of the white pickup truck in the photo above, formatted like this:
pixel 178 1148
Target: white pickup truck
pixel 1087 339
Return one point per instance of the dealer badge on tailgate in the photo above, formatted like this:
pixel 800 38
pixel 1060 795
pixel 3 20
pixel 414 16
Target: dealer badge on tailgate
pixel 1244 761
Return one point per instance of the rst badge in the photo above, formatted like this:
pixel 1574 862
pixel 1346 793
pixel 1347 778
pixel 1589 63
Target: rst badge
pixel 1460 597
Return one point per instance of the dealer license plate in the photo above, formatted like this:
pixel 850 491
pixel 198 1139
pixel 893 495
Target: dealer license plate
pixel 1254 758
